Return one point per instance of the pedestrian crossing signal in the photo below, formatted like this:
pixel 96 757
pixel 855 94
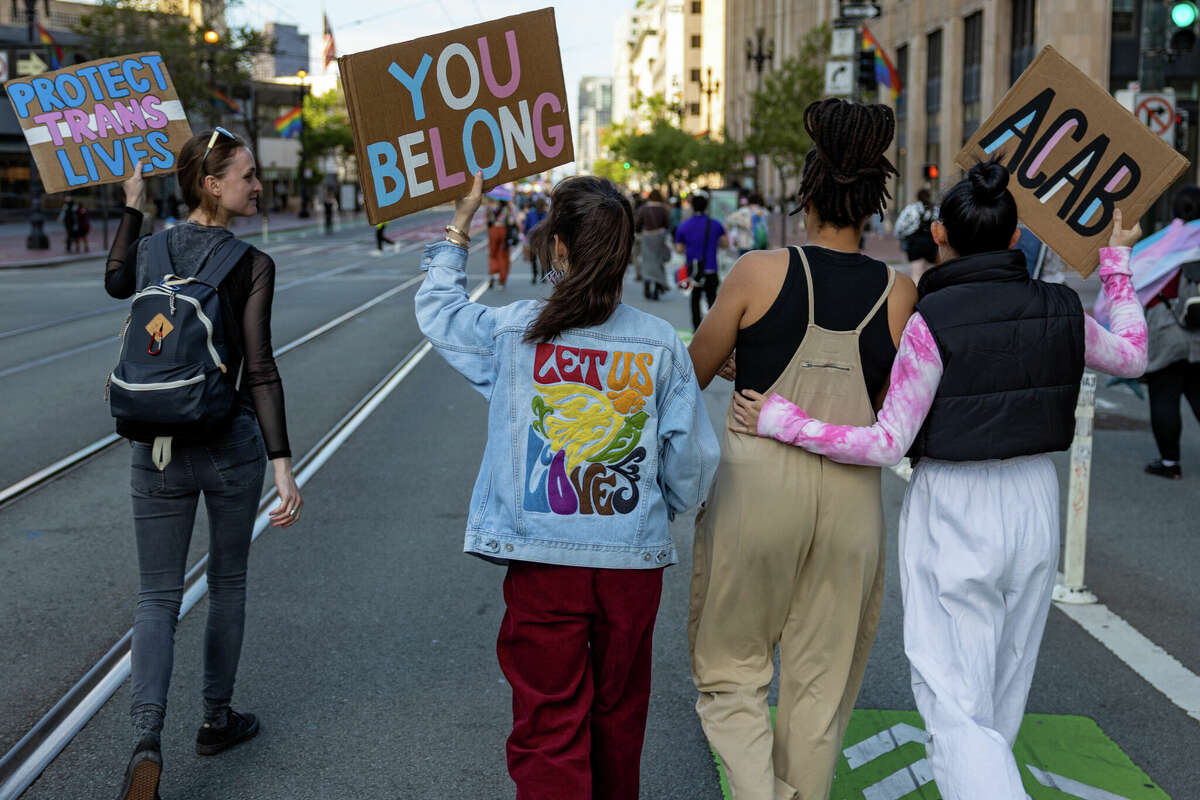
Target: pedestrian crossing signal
pixel 866 70
pixel 931 172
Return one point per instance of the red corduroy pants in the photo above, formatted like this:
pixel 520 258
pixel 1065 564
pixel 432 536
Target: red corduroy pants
pixel 575 645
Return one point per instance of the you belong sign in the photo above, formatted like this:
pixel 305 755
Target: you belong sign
pixel 89 124
pixel 427 114
pixel 1075 154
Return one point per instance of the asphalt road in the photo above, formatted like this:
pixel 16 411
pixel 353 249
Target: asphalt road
pixel 369 653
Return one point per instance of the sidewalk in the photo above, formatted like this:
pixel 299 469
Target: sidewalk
pixel 15 255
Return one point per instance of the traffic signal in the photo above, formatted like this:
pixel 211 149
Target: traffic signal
pixel 626 165
pixel 931 172
pixel 866 70
pixel 1183 18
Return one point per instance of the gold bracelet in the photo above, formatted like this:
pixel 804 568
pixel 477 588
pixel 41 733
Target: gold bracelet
pixel 459 231
pixel 452 240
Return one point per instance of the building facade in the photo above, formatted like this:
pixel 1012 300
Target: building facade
pixel 675 49
pixel 290 56
pixel 594 116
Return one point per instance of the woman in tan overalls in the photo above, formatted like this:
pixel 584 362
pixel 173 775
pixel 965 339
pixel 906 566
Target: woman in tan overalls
pixel 789 548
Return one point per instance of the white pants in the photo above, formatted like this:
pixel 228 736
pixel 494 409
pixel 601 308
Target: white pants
pixel 978 551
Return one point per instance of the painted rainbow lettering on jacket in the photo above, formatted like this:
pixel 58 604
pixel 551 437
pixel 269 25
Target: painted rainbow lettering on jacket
pixel 1121 352
pixel 583 453
pixel 917 371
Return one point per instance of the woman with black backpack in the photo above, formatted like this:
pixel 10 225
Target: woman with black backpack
pixel 223 460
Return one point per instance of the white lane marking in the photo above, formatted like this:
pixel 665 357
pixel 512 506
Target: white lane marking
pixel 1068 786
pixel 882 743
pixel 900 782
pixel 354 312
pixel 1155 665
pixel 62 734
pixel 1158 667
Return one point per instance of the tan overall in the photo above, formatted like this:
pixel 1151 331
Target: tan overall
pixel 789 551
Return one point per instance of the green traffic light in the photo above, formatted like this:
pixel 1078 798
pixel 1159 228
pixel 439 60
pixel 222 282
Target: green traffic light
pixel 626 165
pixel 1183 14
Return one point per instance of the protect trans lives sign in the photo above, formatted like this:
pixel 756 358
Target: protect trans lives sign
pixel 429 113
pixel 90 123
pixel 1075 154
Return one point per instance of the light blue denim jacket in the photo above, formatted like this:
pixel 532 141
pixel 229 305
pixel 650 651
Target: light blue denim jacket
pixel 595 440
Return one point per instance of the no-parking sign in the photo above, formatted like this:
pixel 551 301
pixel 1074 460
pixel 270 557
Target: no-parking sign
pixel 1156 110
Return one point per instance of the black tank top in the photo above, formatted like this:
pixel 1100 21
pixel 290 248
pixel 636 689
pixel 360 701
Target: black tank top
pixel 845 286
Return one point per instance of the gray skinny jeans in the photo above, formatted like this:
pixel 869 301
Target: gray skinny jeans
pixel 229 472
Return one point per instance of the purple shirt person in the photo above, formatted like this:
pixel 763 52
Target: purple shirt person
pixel 691 240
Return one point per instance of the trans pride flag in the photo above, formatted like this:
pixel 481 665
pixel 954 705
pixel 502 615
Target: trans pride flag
pixel 1155 260
pixel 288 124
pixel 885 73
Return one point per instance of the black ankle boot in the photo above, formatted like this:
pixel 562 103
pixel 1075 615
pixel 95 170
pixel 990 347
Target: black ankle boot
pixel 1174 472
pixel 238 728
pixel 143 771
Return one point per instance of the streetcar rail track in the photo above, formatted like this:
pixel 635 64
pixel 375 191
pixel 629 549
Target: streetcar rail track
pixel 30 756
pixel 26 485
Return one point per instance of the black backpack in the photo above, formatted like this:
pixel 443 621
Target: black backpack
pixel 173 369
pixel 1186 307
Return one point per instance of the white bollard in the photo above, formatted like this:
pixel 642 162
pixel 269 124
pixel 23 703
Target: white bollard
pixel 1072 588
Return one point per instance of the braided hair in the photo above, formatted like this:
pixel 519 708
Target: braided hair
pixel 846 171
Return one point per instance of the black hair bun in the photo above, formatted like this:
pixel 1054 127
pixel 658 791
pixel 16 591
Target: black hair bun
pixel 989 181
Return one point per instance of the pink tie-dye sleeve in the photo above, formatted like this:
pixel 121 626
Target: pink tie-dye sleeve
pixel 916 373
pixel 1121 351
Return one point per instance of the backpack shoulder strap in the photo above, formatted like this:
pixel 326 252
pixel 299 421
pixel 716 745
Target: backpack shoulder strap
pixel 158 265
pixel 221 261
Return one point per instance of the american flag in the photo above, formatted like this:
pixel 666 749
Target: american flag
pixel 330 49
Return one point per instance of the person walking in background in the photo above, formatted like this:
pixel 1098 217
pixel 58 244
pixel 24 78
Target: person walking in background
pixel 328 203
pixel 584 554
pixel 1173 366
pixel 500 225
pixel 68 222
pixel 913 229
pixel 533 218
pixel 698 238
pixel 982 391
pixel 381 237
pixel 748 225
pixel 650 222
pixel 83 227
pixel 223 462
pixel 789 547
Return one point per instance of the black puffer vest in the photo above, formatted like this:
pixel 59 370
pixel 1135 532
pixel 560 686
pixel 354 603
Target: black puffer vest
pixel 1012 352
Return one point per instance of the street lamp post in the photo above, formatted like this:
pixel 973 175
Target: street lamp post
pixel 37 239
pixel 708 92
pixel 759 57
pixel 303 74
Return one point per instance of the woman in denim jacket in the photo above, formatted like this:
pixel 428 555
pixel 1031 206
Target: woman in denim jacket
pixel 598 436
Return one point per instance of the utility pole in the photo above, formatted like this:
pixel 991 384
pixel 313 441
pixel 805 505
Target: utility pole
pixel 37 239
pixel 712 88
pixel 303 75
pixel 758 57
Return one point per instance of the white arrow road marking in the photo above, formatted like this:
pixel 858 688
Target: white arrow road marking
pixel 882 743
pixel 900 783
pixel 1080 790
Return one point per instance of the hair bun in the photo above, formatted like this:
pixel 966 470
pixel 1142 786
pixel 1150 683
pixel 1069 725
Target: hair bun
pixel 989 181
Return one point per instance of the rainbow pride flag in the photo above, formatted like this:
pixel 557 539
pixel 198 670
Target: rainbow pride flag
pixel 56 53
pixel 220 99
pixel 885 73
pixel 288 124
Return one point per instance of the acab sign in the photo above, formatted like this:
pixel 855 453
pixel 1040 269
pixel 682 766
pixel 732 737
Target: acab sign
pixel 428 113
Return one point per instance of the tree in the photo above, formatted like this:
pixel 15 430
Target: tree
pixel 327 127
pixel 197 68
pixel 777 111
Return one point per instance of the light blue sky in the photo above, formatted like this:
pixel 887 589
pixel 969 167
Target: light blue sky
pixel 585 27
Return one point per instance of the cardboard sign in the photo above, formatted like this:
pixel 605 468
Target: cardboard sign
pixel 429 113
pixel 1075 154
pixel 89 124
